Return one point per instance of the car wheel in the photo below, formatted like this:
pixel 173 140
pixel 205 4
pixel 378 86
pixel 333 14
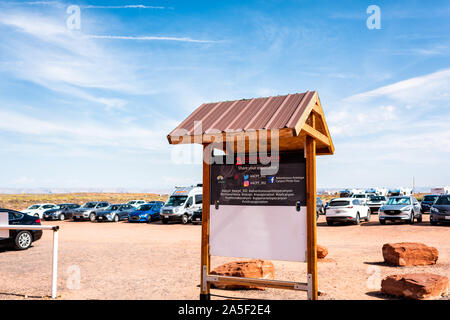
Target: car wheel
pixel 330 223
pixel 185 219
pixel 411 218
pixel 116 218
pixel 382 221
pixel 357 219
pixel 433 223
pixel 149 219
pixel 419 219
pixel 62 217
pixel 165 221
pixel 92 217
pixel 23 240
pixel 368 216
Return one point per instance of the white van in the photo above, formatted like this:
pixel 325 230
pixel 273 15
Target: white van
pixel 182 203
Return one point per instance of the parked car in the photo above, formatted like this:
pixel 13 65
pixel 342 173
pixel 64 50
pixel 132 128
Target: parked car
pixel 38 209
pixel 60 212
pixel 440 211
pixel 345 193
pixel 145 213
pixel 21 239
pixel 114 212
pixel 320 207
pixel 375 202
pixel 402 208
pixel 427 202
pixel 182 204
pixel 136 203
pixel 197 216
pixel 362 197
pixel 87 210
pixel 347 210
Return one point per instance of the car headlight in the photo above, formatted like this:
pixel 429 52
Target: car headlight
pixel 404 209
pixel 433 209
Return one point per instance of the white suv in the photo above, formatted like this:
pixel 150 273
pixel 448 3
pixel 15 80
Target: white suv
pixel 363 197
pixel 347 210
pixel 37 210
pixel 136 203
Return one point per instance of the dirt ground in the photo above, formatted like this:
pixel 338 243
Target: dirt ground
pixel 156 261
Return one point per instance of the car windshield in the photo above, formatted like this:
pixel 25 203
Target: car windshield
pixel 36 206
pixel 339 203
pixel 89 205
pixel 443 200
pixel 398 201
pixel 113 207
pixel 377 198
pixel 430 198
pixel 359 196
pixel 144 207
pixel 131 202
pixel 176 201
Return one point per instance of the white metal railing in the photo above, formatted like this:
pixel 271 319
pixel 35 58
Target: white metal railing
pixel 55 248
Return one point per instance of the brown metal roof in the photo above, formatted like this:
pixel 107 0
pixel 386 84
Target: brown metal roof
pixel 252 114
pixel 289 112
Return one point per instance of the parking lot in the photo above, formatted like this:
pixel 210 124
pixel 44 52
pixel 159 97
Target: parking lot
pixel 156 261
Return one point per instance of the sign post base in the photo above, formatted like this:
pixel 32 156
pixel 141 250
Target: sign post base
pixel 205 296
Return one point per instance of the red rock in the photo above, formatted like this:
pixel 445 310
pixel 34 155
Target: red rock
pixel 321 252
pixel 418 286
pixel 246 269
pixel 409 254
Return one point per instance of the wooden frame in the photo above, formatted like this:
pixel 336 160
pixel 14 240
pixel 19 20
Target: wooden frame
pixel 309 133
pixel 311 286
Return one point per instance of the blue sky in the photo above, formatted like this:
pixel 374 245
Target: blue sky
pixel 91 108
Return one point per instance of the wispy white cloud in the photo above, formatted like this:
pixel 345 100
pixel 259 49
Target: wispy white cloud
pixel 150 38
pixel 67 133
pixel 61 4
pixel 129 6
pixel 414 91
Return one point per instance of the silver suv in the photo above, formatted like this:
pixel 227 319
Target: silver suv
pixel 87 210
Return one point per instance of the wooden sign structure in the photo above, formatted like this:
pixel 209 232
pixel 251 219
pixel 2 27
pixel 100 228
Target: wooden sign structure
pixel 272 125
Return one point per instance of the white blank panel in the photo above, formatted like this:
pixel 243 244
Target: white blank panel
pixel 4 221
pixel 258 232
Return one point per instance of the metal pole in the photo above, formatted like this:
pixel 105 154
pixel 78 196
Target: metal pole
pixel 55 264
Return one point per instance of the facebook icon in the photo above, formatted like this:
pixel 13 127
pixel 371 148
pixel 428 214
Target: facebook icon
pixel 271 179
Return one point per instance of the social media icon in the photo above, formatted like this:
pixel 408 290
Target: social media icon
pixel 246 183
pixel 246 177
pixel 271 179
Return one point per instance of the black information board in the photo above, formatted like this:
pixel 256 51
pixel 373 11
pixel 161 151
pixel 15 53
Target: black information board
pixel 243 184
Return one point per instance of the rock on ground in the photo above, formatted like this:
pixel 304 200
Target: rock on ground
pixel 246 269
pixel 409 254
pixel 321 252
pixel 418 286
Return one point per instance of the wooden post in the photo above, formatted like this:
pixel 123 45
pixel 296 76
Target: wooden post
pixel 205 256
pixel 311 215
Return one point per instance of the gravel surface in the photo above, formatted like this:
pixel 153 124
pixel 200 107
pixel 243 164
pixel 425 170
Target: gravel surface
pixel 156 261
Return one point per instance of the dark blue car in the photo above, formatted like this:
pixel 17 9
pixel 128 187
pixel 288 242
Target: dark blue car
pixel 146 212
pixel 427 202
pixel 21 239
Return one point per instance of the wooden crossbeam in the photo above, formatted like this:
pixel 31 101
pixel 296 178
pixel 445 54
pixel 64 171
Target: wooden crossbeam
pixel 310 131
pixel 277 284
